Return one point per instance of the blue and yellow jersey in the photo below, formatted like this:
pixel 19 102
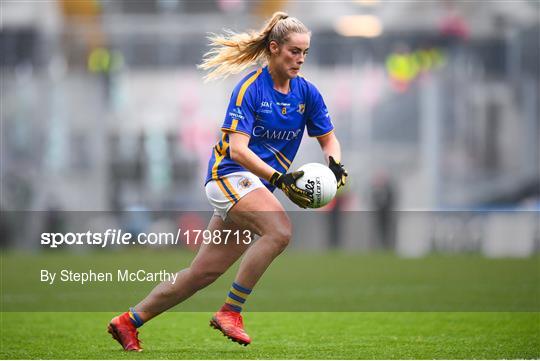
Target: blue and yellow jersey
pixel 274 121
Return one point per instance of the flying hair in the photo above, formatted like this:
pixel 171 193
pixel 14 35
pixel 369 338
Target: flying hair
pixel 234 52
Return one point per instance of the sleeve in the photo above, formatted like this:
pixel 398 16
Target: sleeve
pixel 318 121
pixel 240 115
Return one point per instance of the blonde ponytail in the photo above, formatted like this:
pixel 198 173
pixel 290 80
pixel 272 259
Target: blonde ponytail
pixel 233 53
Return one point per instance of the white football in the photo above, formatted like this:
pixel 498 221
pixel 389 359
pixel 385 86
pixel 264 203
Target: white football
pixel 318 180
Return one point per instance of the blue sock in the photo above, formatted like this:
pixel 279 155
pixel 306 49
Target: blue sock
pixel 236 297
pixel 135 318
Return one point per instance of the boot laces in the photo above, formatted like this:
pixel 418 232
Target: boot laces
pixel 238 321
pixel 233 319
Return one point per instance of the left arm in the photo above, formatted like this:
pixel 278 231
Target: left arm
pixel 330 147
pixel 319 125
pixel 332 155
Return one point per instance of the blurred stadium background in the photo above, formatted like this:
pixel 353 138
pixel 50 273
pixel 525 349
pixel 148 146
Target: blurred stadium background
pixel 106 123
pixel 436 104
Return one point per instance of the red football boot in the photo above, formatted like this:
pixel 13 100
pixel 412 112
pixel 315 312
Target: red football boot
pixel 231 325
pixel 123 331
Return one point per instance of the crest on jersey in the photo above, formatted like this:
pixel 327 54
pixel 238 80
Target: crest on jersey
pixel 301 108
pixel 284 110
pixel 244 183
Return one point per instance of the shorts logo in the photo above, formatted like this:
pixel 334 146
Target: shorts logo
pixel 301 108
pixel 244 183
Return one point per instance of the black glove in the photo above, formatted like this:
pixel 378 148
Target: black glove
pixel 339 171
pixel 287 183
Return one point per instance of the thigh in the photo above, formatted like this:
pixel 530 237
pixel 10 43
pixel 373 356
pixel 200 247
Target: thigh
pixel 260 212
pixel 219 257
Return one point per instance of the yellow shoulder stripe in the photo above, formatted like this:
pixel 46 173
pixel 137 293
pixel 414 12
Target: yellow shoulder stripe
pixel 244 87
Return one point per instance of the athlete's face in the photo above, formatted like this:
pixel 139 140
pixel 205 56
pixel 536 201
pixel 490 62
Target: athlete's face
pixel 287 58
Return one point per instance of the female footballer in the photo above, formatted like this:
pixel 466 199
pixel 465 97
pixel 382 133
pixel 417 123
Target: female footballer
pixel 263 127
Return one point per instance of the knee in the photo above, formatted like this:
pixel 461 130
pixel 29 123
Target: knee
pixel 281 236
pixel 201 278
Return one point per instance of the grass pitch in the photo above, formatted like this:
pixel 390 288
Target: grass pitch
pixel 310 335
pixel 382 294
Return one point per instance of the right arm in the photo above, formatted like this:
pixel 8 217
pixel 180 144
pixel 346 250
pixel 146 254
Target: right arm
pixel 241 154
